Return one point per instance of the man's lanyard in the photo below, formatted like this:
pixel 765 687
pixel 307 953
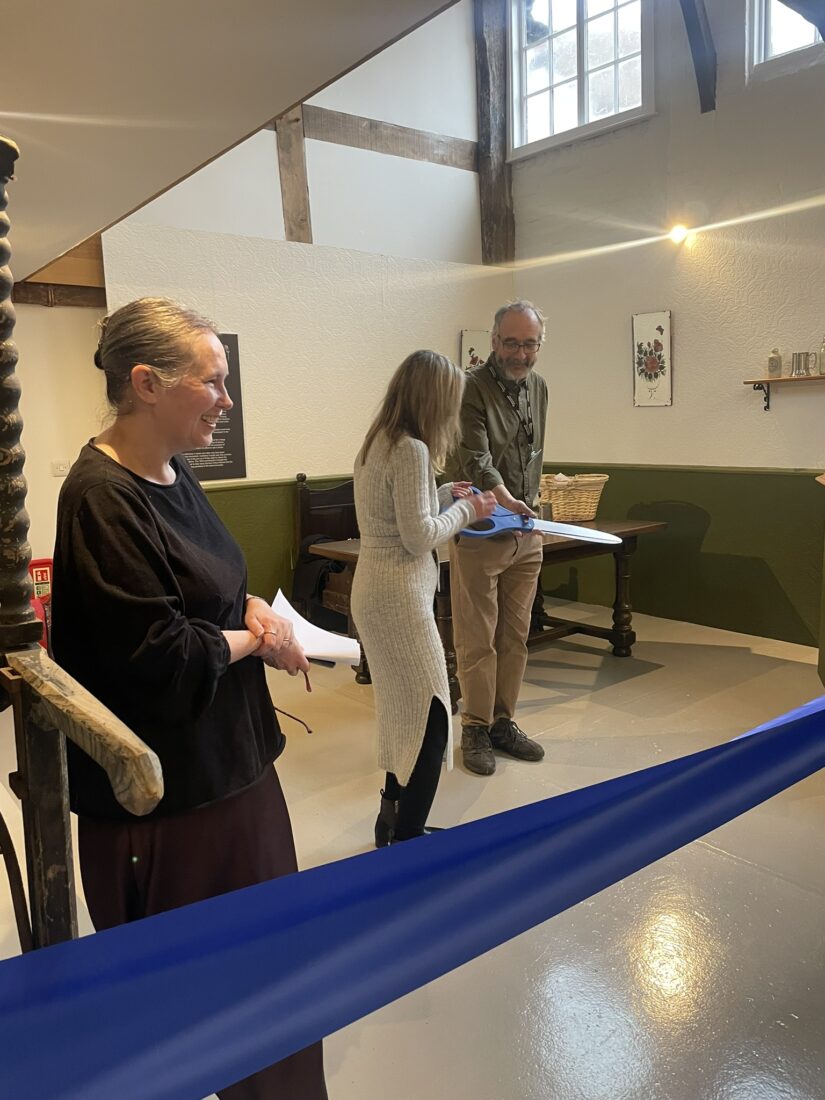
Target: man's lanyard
pixel 527 425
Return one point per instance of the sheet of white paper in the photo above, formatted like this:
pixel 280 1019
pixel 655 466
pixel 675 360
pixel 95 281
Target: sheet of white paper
pixel 318 643
pixel 572 531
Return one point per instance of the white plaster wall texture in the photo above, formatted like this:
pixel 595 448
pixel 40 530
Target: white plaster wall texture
pixel 62 403
pixel 320 329
pixel 392 206
pixel 735 291
pixel 238 193
pixel 426 81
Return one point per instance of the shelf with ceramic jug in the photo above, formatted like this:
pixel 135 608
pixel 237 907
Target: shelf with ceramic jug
pixel 804 369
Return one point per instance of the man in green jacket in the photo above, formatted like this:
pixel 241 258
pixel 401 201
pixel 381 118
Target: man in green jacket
pixel 493 580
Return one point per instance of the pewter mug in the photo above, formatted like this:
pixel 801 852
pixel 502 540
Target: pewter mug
pixel 803 364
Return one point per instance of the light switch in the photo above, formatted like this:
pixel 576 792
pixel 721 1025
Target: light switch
pixel 60 467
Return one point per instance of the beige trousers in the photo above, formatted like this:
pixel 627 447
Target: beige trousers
pixel 492 586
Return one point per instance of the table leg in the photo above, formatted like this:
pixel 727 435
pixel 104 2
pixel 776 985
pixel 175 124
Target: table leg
pixel 622 636
pixel 444 623
pixel 362 669
pixel 538 616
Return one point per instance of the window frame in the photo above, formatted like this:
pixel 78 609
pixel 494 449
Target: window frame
pixel 516 75
pixel 760 67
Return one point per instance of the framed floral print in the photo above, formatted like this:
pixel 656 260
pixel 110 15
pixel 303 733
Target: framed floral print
pixel 475 347
pixel 652 367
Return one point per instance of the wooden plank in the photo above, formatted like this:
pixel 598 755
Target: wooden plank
pixel 41 758
pixel 51 294
pixel 293 170
pixel 62 703
pixel 358 132
pixel 703 51
pixel 812 10
pixel 80 266
pixel 41 784
pixel 498 229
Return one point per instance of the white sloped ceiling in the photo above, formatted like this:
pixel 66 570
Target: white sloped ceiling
pixel 113 102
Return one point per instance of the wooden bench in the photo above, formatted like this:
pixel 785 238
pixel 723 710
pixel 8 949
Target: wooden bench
pixel 329 514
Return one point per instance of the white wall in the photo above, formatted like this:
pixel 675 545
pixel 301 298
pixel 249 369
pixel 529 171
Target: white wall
pixel 239 193
pixel 391 206
pixel 320 329
pixel 62 403
pixel 734 293
pixel 426 81
pixel 359 199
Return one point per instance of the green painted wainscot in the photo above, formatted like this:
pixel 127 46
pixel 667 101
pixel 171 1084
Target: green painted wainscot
pixel 743 550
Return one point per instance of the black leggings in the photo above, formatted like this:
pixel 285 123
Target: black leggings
pixel 416 799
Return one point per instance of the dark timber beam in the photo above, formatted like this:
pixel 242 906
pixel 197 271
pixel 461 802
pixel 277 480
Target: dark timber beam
pixel 498 230
pixel 703 51
pixel 357 132
pixel 58 294
pixel 812 10
pixel 292 166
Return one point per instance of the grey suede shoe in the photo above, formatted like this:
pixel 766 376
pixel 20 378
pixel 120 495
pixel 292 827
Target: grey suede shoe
pixel 506 736
pixel 477 750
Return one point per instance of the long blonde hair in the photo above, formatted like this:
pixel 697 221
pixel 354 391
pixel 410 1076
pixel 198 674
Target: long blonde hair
pixel 423 400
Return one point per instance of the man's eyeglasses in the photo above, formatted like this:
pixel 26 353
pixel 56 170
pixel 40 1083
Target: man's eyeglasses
pixel 511 345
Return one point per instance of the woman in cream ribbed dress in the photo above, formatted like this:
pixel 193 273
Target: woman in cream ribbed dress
pixel 400 524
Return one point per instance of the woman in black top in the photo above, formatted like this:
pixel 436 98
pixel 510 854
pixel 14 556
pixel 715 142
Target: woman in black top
pixel 151 613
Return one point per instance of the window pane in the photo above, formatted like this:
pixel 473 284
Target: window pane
pixel 565 62
pixel 564 15
pixel 596 7
pixel 630 84
pixel 538 116
pixel 565 107
pixel 630 29
pixel 536 20
pixel 601 93
pixel 600 42
pixel 789 31
pixel 538 67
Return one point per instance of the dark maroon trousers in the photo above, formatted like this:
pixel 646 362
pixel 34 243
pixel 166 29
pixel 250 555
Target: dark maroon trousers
pixel 134 869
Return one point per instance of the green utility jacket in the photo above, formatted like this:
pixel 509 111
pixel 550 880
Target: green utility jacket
pixel 494 447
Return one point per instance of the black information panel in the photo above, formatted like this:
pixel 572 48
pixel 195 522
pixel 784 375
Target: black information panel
pixel 225 457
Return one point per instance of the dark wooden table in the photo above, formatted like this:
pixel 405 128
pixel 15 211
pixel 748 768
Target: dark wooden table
pixel 545 628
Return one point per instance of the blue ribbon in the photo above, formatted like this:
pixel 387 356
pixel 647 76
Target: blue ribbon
pixel 182 1004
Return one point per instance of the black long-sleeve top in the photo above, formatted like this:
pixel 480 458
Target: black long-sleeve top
pixel 145 579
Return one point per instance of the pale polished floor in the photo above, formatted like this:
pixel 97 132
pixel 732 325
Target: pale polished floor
pixel 699 978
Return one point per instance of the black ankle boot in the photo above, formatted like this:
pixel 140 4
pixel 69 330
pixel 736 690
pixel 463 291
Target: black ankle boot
pixel 385 822
pixel 426 831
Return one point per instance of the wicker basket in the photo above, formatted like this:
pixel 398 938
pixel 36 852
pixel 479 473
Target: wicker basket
pixel 574 500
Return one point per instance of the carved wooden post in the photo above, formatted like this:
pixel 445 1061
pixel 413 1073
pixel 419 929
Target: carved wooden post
pixel 40 781
pixel 19 626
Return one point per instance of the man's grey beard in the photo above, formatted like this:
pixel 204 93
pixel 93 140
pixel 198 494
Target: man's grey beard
pixel 504 370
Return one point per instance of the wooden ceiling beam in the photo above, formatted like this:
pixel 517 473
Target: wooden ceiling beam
pixel 703 51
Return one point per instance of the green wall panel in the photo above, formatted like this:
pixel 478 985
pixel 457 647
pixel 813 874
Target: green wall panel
pixel 743 549
pixel 262 517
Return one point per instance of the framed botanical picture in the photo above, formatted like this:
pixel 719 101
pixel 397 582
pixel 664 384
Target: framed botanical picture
pixel 475 347
pixel 652 367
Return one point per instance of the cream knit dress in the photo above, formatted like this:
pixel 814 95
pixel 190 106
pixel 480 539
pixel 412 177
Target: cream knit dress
pixel 397 504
